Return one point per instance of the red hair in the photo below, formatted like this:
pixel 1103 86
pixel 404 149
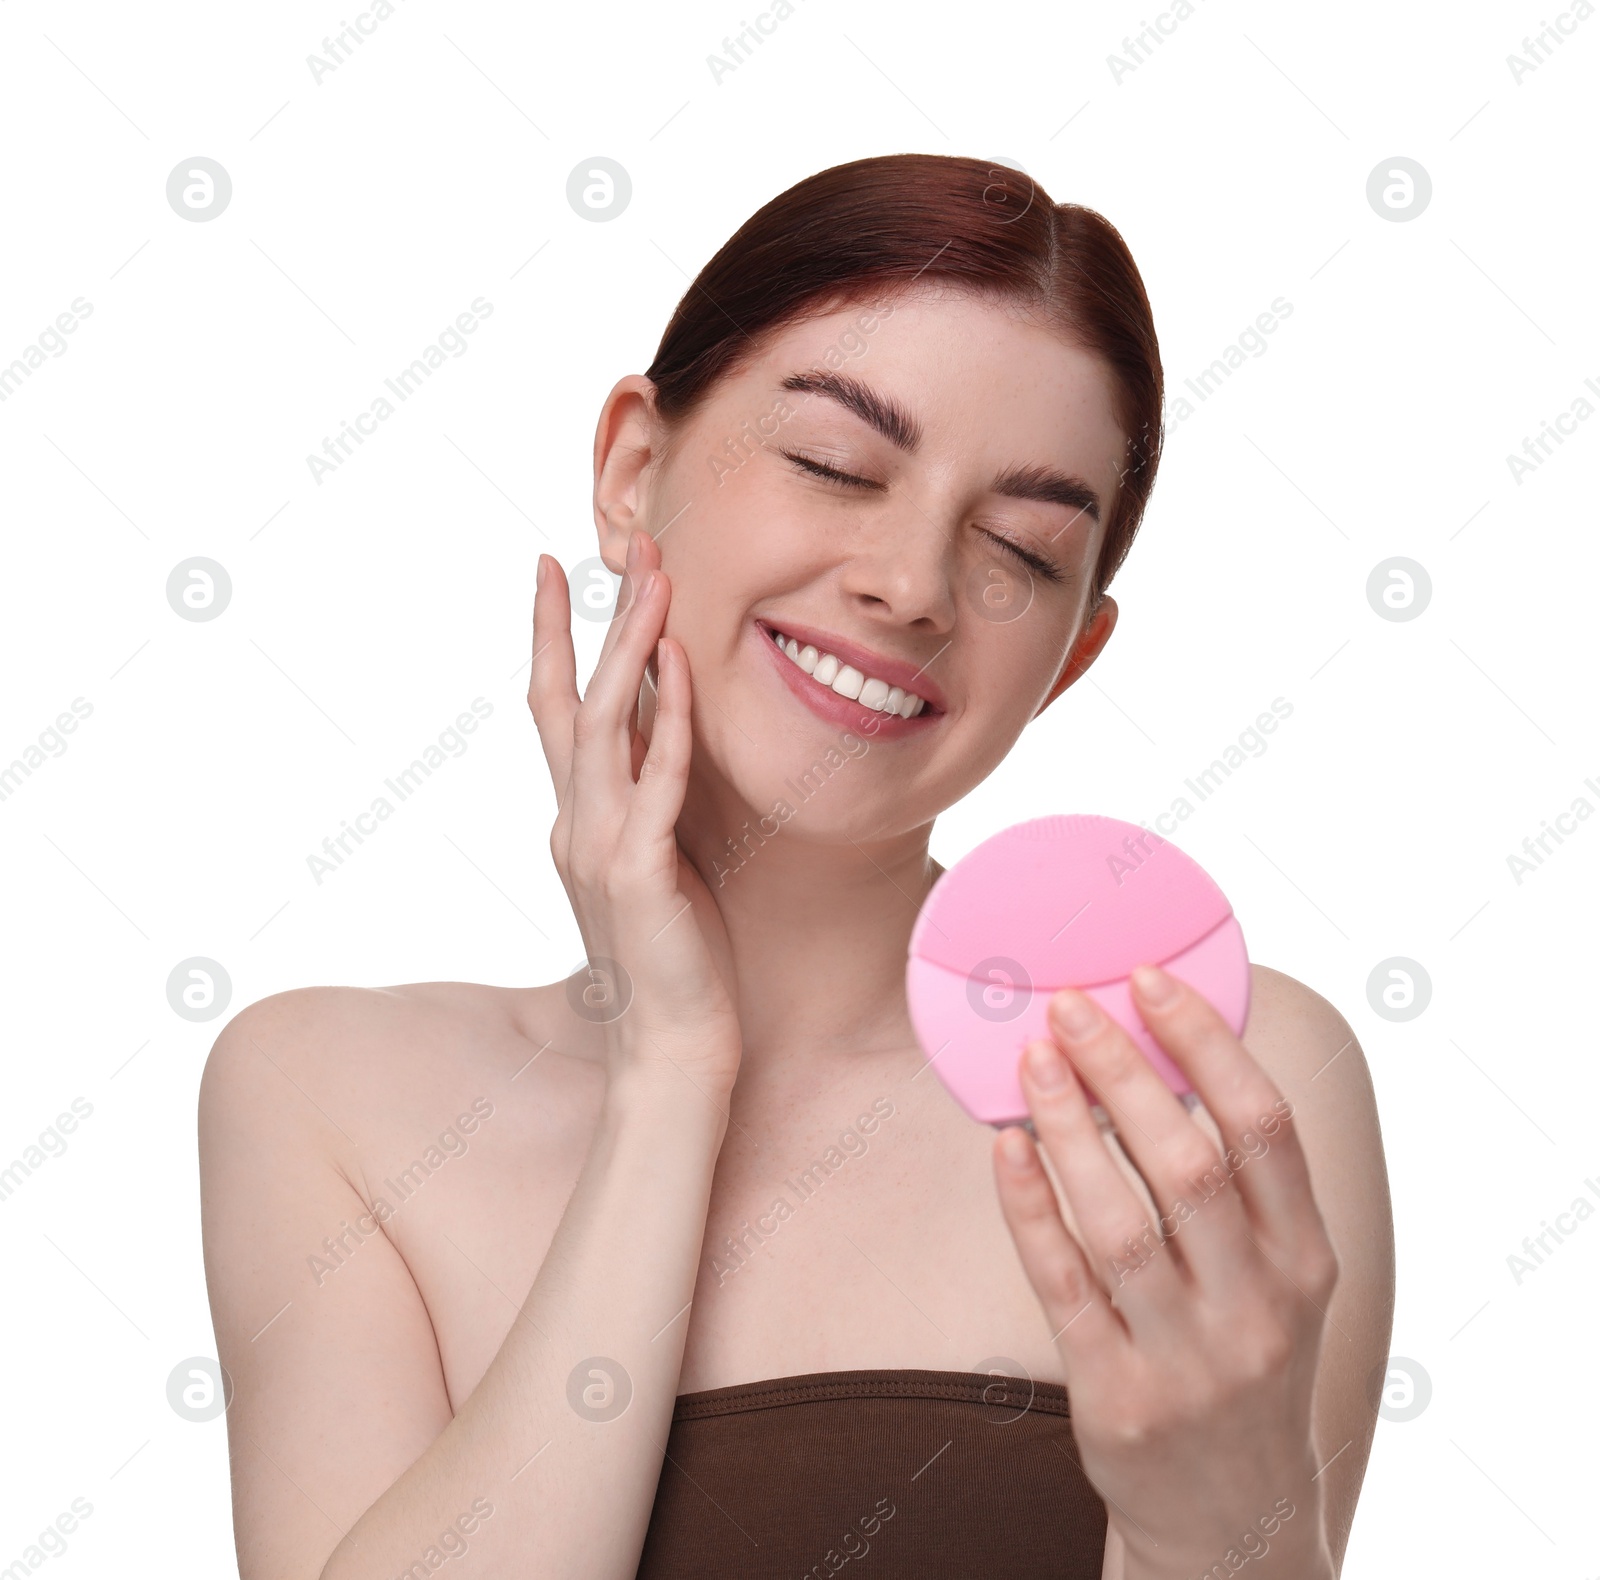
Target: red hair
pixel 862 229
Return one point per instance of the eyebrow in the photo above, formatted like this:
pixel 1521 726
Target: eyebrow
pixel 901 429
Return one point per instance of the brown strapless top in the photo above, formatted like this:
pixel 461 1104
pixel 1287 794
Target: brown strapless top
pixel 912 1473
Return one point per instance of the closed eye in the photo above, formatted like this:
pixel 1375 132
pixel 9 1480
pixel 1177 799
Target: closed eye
pixel 1034 562
pixel 829 474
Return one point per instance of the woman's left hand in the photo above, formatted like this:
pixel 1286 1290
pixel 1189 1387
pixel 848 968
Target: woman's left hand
pixel 1190 1344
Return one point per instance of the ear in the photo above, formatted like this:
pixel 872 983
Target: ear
pixel 1086 649
pixel 626 440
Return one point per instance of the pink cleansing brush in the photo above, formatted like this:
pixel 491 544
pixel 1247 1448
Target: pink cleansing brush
pixel 1069 901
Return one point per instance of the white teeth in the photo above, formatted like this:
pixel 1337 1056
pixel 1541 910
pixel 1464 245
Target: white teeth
pixel 845 680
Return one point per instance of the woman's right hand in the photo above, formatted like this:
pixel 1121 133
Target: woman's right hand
pixel 660 975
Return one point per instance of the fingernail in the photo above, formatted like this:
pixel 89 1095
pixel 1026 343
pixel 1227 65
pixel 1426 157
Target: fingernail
pixel 1046 1066
pixel 647 584
pixel 1075 1013
pixel 633 551
pixel 1014 1148
pixel 1154 985
pixel 538 575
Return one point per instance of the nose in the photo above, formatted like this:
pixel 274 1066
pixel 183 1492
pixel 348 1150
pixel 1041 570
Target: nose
pixel 901 569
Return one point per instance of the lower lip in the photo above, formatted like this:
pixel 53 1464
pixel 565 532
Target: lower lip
pixel 827 704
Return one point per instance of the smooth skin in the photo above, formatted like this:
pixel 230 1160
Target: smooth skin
pixel 402 1325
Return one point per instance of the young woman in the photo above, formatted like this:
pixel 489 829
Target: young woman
pixel 685 1264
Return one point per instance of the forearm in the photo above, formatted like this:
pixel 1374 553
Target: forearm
pixel 1272 1545
pixel 1278 1564
pixel 571 1491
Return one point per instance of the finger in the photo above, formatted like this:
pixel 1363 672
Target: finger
pixel 664 773
pixel 552 680
pixel 1116 1227
pixel 1082 1320
pixel 611 678
pixel 642 557
pixel 649 559
pixel 1189 1181
pixel 604 725
pixel 1254 1118
pixel 552 684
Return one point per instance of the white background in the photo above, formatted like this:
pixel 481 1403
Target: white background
pixel 369 610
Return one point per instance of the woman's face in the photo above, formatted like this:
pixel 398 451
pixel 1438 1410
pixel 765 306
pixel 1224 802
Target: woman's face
pixel 950 560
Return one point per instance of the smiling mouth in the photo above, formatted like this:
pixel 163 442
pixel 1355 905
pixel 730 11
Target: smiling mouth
pixel 831 673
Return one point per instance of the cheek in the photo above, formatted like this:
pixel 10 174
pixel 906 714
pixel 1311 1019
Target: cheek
pixel 732 523
pixel 1011 665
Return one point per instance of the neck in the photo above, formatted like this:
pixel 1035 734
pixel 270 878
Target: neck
pixel 818 929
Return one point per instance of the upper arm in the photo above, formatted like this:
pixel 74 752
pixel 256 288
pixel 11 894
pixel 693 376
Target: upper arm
pixel 337 1384
pixel 1309 1050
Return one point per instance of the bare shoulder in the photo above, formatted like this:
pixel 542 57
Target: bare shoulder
pixel 1308 1049
pixel 344 1062
pixel 1297 1035
pixel 316 1027
pixel 356 1083
pixel 352 1141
